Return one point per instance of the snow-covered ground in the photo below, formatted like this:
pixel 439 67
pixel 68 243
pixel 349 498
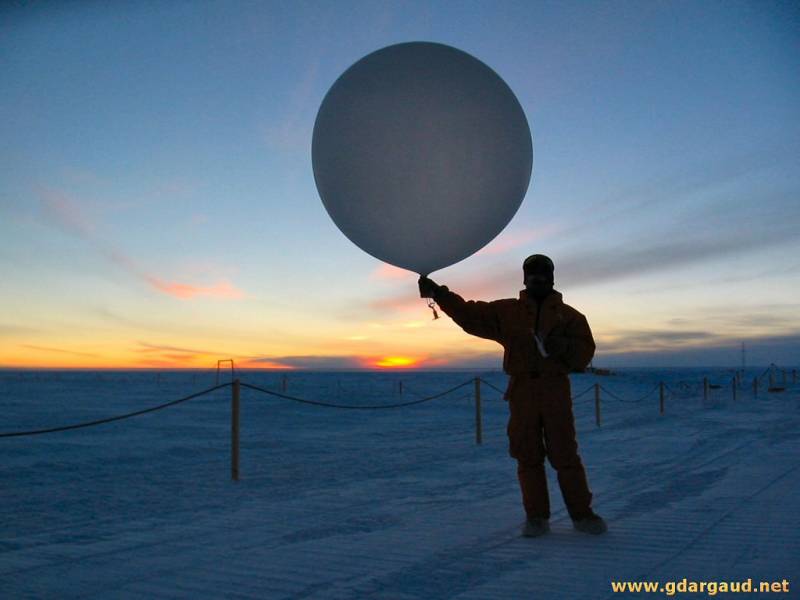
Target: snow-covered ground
pixel 401 504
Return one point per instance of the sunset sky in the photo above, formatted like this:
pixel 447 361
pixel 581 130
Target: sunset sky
pixel 158 207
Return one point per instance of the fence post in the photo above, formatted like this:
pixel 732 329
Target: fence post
pixel 478 423
pixel 734 389
pixel 705 388
pixel 661 397
pixel 597 403
pixel 235 430
pixel 401 387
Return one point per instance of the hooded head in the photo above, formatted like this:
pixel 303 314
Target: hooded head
pixel 538 275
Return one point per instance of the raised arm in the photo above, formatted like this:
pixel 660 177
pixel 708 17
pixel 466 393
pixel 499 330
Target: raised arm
pixel 476 317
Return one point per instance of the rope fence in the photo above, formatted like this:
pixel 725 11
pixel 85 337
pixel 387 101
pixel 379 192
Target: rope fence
pixel 356 406
pixel 129 415
pixel 586 391
pixel 636 401
pixel 685 389
pixel 494 387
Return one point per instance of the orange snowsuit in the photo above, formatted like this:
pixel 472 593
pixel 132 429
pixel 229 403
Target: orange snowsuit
pixel 541 422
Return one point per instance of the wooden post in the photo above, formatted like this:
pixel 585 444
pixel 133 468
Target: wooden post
pixel 478 423
pixel 705 388
pixel 235 430
pixel 661 397
pixel 733 387
pixel 597 403
pixel 400 386
pixel 283 383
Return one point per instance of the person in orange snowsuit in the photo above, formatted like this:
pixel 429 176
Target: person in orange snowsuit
pixel 544 340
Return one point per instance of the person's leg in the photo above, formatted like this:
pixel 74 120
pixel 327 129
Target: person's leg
pixel 526 444
pixel 533 485
pixel 562 449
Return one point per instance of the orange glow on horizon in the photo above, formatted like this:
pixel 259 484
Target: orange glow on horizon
pixel 275 366
pixel 396 362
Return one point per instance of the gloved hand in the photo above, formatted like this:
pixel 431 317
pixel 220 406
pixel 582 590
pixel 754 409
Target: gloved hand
pixel 556 345
pixel 428 288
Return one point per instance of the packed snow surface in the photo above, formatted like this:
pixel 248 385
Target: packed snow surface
pixel 399 503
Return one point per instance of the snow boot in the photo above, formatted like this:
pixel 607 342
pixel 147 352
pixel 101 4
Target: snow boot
pixel 535 527
pixel 590 523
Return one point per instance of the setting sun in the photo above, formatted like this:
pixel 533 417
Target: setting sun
pixel 396 361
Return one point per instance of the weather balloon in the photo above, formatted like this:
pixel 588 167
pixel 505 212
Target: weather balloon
pixel 421 155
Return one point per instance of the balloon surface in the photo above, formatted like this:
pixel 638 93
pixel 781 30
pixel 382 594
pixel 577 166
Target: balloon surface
pixel 421 155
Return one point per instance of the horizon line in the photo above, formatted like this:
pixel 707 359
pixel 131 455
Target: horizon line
pixel 374 370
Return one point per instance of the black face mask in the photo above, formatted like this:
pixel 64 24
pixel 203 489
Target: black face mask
pixel 538 286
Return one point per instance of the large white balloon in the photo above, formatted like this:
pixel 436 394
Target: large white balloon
pixel 421 155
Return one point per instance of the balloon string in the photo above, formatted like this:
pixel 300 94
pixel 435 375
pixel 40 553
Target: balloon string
pixel 431 304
